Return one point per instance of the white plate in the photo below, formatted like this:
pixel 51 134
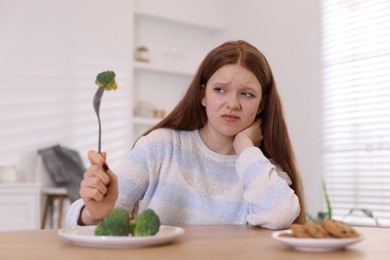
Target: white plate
pixel 85 236
pixel 316 244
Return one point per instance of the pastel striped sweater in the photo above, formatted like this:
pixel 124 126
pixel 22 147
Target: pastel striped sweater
pixel 178 176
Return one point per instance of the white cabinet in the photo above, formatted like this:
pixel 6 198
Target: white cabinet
pixel 177 35
pixel 19 206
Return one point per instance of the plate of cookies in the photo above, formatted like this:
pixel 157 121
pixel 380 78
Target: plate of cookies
pixel 329 235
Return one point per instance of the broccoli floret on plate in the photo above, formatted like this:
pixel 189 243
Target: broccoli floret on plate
pixel 146 224
pixel 114 224
pixel 106 79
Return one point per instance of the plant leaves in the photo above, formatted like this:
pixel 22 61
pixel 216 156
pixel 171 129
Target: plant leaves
pixel 366 212
pixel 328 204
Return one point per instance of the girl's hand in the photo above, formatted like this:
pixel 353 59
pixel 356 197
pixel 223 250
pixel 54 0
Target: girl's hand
pixel 249 137
pixel 98 189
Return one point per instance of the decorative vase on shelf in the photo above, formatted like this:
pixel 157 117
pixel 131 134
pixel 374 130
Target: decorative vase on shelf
pixel 142 54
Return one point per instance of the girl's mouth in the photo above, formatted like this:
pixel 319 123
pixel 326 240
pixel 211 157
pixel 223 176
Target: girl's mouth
pixel 230 117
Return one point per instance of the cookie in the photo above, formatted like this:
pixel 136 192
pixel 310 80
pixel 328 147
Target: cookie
pixel 316 230
pixel 339 229
pixel 299 231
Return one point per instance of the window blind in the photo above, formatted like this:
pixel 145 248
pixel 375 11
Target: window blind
pixel 356 108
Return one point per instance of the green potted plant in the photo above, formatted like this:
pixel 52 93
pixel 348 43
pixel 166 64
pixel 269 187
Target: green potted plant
pixel 329 214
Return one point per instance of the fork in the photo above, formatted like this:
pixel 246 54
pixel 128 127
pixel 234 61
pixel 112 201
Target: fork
pixel 96 105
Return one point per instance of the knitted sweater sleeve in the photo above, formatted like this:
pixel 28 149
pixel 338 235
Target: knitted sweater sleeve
pixel 272 203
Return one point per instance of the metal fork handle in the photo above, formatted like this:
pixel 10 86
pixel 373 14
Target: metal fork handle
pixel 96 104
pixel 100 135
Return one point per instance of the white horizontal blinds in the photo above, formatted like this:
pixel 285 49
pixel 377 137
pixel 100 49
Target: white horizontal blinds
pixel 356 107
pixel 47 86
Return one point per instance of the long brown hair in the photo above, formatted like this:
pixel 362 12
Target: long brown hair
pixel 189 114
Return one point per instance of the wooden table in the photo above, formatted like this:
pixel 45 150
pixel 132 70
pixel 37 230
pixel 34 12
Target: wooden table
pixel 199 242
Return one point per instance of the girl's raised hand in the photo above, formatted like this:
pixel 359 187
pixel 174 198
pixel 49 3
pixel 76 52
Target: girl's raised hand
pixel 249 137
pixel 98 189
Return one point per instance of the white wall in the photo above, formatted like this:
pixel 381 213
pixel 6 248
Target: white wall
pixel 287 32
pixel 50 53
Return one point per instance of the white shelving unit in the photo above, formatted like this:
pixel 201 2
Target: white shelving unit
pixel 176 41
pixel 19 206
pixel 216 25
pixel 137 120
pixel 141 66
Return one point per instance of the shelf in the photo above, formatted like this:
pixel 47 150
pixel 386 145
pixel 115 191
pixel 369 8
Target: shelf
pixel 148 121
pixel 163 69
pixel 216 26
pixel 176 39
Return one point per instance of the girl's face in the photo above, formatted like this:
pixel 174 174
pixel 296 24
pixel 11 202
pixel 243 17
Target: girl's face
pixel 232 100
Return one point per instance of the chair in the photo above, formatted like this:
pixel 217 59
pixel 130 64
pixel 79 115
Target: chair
pixel 51 192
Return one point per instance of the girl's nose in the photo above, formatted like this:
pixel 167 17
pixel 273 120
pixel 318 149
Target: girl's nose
pixel 233 102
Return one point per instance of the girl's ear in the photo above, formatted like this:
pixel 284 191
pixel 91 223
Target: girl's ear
pixel 202 95
pixel 262 105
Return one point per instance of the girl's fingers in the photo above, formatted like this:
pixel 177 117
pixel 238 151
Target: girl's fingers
pixel 99 181
pixel 87 194
pixel 99 159
pixel 92 188
pixel 96 158
pixel 96 171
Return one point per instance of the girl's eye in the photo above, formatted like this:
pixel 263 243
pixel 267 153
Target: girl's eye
pixel 247 94
pixel 219 90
